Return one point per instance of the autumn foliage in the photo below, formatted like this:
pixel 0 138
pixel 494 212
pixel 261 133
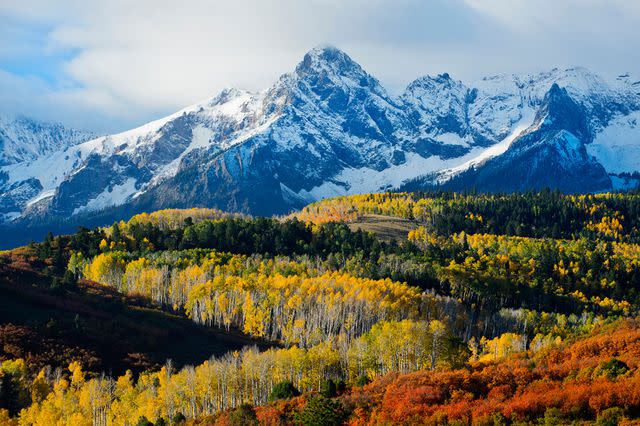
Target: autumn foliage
pixel 495 309
pixel 570 381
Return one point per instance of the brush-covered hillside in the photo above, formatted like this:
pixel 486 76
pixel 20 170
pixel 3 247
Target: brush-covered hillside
pixel 395 308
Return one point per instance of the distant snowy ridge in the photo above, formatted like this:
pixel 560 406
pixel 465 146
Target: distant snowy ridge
pixel 23 139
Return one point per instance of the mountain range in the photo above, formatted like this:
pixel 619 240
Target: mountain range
pixel 329 128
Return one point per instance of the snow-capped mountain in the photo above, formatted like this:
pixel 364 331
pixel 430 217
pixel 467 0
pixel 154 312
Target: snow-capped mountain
pixel 330 128
pixel 24 140
pixel 516 114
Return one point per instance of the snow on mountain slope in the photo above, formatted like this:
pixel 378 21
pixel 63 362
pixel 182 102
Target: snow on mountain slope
pixel 493 151
pixel 609 107
pixel 153 150
pixel 439 107
pixel 23 139
pixel 329 128
pixel 331 98
pixel 617 146
pixel 500 99
pixel 357 181
pixel 549 153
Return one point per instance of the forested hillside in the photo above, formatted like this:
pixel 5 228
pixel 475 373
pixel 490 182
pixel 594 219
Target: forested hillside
pixel 487 309
pixel 48 318
pixel 592 379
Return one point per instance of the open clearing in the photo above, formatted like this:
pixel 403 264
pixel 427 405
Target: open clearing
pixel 386 228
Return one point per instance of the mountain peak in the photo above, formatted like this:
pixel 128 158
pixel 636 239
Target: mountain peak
pixel 431 81
pixel 328 59
pixel 560 112
pixel 25 139
pixel 228 94
pixel 555 89
pixel 324 49
pixel 555 98
pixel 327 53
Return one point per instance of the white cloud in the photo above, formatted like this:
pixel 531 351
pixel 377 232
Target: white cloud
pixel 133 61
pixel 589 21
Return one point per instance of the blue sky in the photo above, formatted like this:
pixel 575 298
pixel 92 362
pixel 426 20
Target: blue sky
pixel 111 65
